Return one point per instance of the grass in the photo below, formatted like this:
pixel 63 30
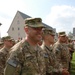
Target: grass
pixel 73 65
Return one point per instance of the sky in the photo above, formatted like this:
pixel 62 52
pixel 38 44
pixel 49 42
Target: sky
pixel 59 14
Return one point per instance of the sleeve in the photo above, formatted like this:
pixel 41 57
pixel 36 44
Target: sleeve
pixel 13 65
pixel 2 62
pixel 9 70
pixel 58 54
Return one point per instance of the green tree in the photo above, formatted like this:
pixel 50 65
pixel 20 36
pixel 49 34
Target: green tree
pixel 70 35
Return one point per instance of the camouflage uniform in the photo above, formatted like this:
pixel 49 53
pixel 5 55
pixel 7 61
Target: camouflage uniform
pixel 1 44
pixel 52 65
pixel 62 54
pixel 71 50
pixel 71 46
pixel 4 52
pixel 3 57
pixel 25 60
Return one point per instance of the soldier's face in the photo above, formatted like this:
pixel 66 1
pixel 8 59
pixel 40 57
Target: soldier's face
pixel 8 43
pixel 63 39
pixel 50 38
pixel 35 33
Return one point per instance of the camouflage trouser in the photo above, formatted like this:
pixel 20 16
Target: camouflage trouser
pixel 1 71
pixel 1 74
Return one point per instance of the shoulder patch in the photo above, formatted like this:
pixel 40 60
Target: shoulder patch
pixel 13 63
pixel 45 55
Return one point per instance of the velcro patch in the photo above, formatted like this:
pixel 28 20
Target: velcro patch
pixel 46 55
pixel 13 63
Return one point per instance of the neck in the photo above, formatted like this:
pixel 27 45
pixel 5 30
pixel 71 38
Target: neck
pixel 61 41
pixel 31 42
pixel 7 47
pixel 47 43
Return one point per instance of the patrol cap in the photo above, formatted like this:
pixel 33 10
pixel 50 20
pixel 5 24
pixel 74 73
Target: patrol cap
pixel 7 38
pixel 62 34
pixel 34 22
pixel 47 30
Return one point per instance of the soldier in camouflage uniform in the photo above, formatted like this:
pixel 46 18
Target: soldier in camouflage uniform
pixel 52 65
pixel 71 47
pixel 1 44
pixel 61 50
pixel 26 56
pixel 4 52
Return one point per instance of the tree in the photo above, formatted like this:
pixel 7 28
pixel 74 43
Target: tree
pixel 70 35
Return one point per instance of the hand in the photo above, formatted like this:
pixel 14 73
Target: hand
pixel 70 49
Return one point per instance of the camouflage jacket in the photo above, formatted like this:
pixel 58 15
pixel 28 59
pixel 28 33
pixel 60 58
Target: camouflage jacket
pixel 71 46
pixel 3 57
pixel 25 60
pixel 52 64
pixel 62 53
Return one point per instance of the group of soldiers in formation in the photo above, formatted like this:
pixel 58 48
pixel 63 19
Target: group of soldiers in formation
pixel 37 53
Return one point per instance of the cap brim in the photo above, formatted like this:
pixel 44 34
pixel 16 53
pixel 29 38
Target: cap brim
pixel 37 26
pixel 1 43
pixel 62 35
pixel 10 39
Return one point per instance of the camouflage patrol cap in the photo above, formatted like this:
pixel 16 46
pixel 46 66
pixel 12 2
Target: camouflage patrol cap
pixel 47 30
pixel 34 22
pixel 6 38
pixel 62 34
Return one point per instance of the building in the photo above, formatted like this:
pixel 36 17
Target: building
pixel 74 31
pixel 73 34
pixel 16 29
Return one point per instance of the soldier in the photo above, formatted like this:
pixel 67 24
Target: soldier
pixel 14 42
pixel 4 52
pixel 26 56
pixel 1 44
pixel 71 47
pixel 52 65
pixel 61 50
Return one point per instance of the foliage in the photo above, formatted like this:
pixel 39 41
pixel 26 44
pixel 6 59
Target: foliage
pixel 70 35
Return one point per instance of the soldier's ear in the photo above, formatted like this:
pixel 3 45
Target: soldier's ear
pixel 26 29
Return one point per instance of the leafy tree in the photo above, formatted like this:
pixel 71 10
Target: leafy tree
pixel 70 35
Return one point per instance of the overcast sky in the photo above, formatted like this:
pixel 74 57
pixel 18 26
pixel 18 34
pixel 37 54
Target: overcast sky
pixel 59 14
